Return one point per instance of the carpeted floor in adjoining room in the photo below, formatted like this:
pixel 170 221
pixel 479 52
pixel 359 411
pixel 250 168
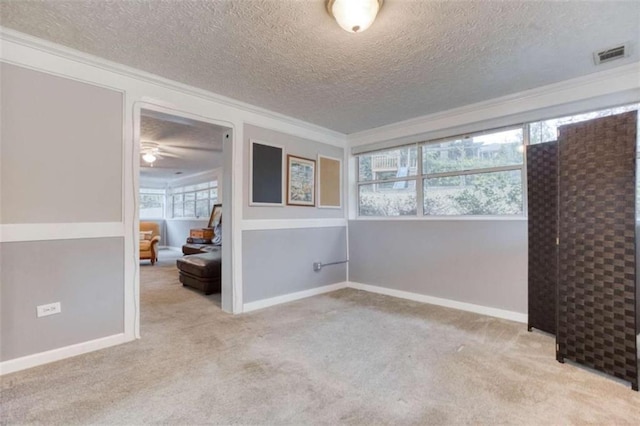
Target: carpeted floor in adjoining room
pixel 345 357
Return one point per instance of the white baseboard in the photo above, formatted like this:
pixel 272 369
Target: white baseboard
pixel 478 309
pixel 34 360
pixel 265 303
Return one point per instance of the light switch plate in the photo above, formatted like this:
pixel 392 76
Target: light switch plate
pixel 50 309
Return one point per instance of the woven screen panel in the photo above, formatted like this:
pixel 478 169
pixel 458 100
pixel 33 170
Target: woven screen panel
pixel 542 201
pixel 597 261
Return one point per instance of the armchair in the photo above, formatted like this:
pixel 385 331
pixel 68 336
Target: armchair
pixel 149 238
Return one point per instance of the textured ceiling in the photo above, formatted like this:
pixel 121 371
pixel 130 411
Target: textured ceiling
pixel 419 57
pixel 186 146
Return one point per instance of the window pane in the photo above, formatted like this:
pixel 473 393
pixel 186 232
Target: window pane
pixel 388 199
pixel 204 185
pixel 188 188
pixel 497 193
pixel 213 194
pixel 151 206
pixel 478 152
pixel 395 163
pixel 189 209
pixel 202 195
pixel 546 131
pixel 190 197
pixel 202 208
pixel 151 191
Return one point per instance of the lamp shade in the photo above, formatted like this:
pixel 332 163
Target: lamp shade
pixel 354 16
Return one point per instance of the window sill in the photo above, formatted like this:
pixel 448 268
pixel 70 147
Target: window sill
pixel 444 218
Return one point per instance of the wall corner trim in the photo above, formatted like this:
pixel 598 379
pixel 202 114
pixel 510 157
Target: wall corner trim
pixel 265 303
pixel 447 303
pixel 22 363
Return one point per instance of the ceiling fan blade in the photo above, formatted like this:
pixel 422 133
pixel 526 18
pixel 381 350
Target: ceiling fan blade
pixel 169 148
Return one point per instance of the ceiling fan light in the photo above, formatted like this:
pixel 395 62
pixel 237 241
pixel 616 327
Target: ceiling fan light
pixel 149 157
pixel 354 16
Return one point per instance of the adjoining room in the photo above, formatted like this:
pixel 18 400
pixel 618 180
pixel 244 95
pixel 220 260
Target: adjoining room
pixel 181 180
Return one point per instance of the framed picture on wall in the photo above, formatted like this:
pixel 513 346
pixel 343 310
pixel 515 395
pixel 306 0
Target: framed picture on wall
pixel 329 182
pixel 301 182
pixel 266 174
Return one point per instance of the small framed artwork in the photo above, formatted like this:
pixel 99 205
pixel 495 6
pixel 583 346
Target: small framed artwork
pixel 301 181
pixel 329 182
pixel 266 174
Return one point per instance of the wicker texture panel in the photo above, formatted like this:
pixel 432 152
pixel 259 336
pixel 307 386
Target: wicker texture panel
pixel 597 261
pixel 542 196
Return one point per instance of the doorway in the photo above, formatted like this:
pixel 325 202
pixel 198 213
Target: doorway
pixel 182 163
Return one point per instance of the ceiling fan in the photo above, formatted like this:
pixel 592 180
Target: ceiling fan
pixel 150 152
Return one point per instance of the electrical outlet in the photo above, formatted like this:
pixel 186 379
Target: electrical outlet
pixel 317 266
pixel 50 309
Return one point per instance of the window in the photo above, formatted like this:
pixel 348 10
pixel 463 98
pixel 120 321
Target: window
pixel 387 182
pixel 479 175
pixel 547 130
pixel 194 201
pixel 152 203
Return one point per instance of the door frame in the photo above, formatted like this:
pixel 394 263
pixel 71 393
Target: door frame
pixel 231 287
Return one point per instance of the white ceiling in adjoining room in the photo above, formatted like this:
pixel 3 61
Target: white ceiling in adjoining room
pixel 186 146
pixel 290 56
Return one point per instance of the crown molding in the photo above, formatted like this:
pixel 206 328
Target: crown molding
pixel 618 80
pixel 9 35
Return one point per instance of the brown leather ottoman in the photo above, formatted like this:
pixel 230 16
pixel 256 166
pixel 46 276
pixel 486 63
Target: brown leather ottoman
pixel 199 248
pixel 201 271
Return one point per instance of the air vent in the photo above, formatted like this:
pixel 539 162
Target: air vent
pixel 611 54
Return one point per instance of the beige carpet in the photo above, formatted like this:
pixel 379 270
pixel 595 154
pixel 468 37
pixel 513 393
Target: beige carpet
pixel 346 357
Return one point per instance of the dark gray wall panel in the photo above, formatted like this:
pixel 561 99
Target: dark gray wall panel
pixel 279 262
pixel 61 153
pixel 597 312
pixel 86 276
pixel 482 262
pixel 542 196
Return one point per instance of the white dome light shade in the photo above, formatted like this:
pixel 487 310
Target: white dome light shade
pixel 354 16
pixel 149 157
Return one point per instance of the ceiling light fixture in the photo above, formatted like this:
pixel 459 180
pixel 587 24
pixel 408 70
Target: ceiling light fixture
pixel 150 152
pixel 149 157
pixel 354 16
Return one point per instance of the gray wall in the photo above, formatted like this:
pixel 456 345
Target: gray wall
pixel 86 276
pixel 177 231
pixel 61 149
pixel 295 146
pixel 279 262
pixel 61 162
pixel 480 262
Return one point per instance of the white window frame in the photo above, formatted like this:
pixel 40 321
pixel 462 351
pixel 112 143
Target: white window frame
pixel 153 191
pixel 415 178
pixel 181 191
pixel 420 177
